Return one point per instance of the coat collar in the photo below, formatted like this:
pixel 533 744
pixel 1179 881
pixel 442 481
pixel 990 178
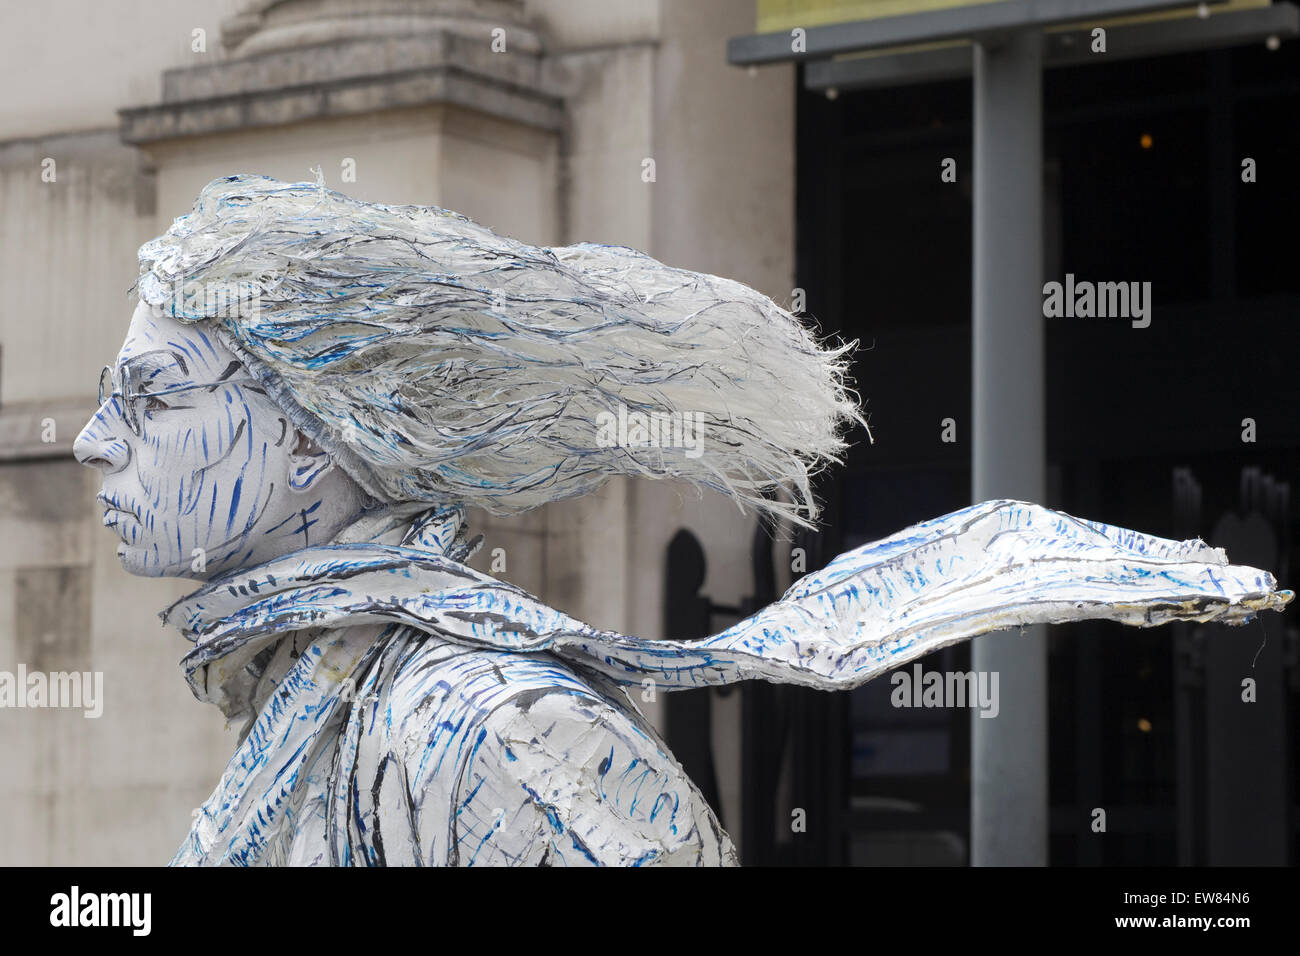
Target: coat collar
pixel 237 621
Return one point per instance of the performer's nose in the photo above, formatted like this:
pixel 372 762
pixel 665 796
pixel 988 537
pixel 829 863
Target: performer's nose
pixel 102 443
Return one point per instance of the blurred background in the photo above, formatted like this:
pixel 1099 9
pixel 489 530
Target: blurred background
pixel 622 121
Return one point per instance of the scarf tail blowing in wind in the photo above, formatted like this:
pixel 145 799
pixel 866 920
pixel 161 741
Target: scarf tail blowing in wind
pixel 425 712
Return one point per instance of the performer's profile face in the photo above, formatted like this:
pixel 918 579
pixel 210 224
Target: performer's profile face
pixel 201 471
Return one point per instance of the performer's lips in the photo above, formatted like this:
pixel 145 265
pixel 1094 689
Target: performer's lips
pixel 115 514
pixel 114 518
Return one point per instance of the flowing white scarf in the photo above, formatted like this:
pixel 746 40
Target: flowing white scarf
pixel 995 565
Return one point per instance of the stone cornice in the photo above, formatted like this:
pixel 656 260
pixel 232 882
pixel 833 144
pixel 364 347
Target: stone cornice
pixel 264 26
pixel 26 427
pixel 348 78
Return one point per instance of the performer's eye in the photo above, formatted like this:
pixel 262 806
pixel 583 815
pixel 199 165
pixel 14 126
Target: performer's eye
pixel 152 403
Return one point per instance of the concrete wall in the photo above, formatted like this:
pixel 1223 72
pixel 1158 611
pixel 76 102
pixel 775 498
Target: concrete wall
pixel 120 788
pixel 71 64
pixel 640 79
pixel 650 80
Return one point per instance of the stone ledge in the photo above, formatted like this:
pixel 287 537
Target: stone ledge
pixel 22 425
pixel 345 79
pixel 340 61
pixel 264 26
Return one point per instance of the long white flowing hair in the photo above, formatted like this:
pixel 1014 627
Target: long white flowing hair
pixel 437 361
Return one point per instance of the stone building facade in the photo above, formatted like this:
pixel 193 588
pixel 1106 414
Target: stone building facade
pixel 552 121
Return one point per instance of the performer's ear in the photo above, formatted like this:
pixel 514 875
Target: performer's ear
pixel 307 462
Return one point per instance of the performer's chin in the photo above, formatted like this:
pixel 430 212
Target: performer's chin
pixel 133 562
pixel 142 561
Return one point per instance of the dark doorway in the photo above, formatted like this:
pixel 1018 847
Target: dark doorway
pixel 1186 428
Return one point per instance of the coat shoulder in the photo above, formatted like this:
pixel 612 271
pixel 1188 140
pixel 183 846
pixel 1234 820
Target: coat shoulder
pixel 519 759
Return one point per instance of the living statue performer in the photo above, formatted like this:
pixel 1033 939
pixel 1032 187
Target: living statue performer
pixel 311 390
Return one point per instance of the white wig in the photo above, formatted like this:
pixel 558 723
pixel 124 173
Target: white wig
pixel 437 361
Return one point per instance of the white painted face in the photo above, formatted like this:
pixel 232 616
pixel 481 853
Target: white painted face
pixel 202 472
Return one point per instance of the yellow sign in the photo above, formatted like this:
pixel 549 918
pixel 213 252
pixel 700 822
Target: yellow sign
pixel 779 16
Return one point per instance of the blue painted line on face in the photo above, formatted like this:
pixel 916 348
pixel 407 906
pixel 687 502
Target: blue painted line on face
pixel 207 343
pixel 293 517
pixel 234 503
